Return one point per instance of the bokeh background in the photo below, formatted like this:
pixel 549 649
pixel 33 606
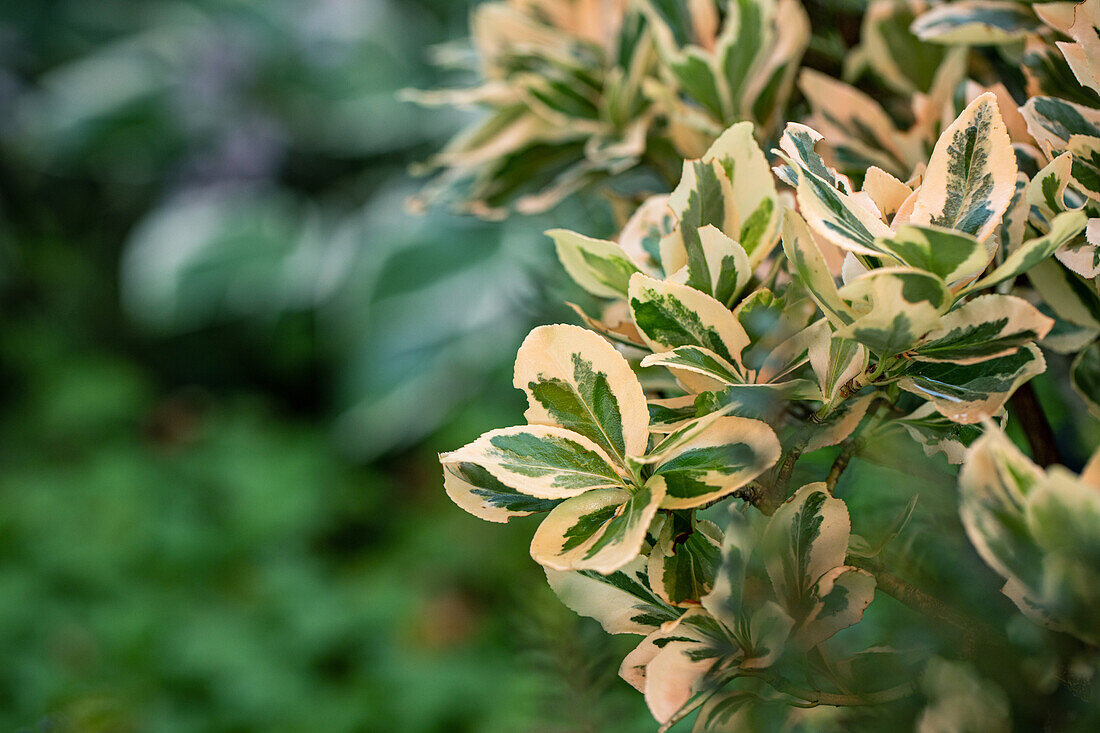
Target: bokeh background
pixel 229 358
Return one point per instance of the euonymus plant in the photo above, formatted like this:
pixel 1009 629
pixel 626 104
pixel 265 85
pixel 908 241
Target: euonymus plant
pixel 891 270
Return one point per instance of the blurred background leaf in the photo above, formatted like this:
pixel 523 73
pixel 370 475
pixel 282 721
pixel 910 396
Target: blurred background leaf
pixel 229 359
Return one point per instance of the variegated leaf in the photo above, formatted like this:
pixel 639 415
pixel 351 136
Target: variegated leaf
pixel 1086 164
pixel 899 58
pixel 762 314
pixel 615 322
pixel 806 538
pixel 984 328
pixel 839 599
pixel 642 234
pixel 1085 376
pixel 1084 56
pixel 753 189
pixel 809 265
pixel 1063 229
pixel 679 661
pixel 600 267
pixel 1053 121
pixel 670 414
pixel 841 423
pixel 887 192
pixel 622 601
pixel 540 461
pixel 967 393
pixel 727 454
pixel 1010 235
pixel 832 212
pixel 1047 194
pixel 727 710
pixel 975 22
pixel 836 362
pixel 703 196
pixel 950 255
pixel 671 315
pixel 994 483
pixel 684 560
pixel 1069 297
pixel 786 357
pixel 575 379
pixel 1082 257
pixel 764 402
pixel 898 305
pixel 971 176
pixel 602 530
pixel 726 601
pixel 727 265
pixel 697 360
pixel 1063 516
pixel 481 494
pixel 938 434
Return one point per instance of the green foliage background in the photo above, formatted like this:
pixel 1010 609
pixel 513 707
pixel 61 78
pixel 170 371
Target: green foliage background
pixel 229 359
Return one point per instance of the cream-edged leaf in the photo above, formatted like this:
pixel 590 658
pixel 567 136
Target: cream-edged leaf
pixel 809 265
pixel 836 362
pixel 622 601
pixel 726 600
pixel 984 328
pixel 1086 164
pixel 993 486
pixel 602 530
pixel 677 662
pixel 615 322
pixel 1085 57
pixel 839 599
pixel 902 60
pixel 968 393
pixel 1068 296
pixel 950 255
pixel 600 267
pixel 481 494
pixel 752 187
pixel 1052 122
pixel 898 306
pixel 728 266
pixel 841 423
pixel 887 192
pixel 540 461
pixel 671 315
pixel 684 560
pixel 666 415
pixel 833 213
pixel 575 379
pixel 1048 193
pixel 971 175
pixel 854 125
pixel 697 360
pixel 937 434
pixel 975 22
pixel 726 455
pixel 1063 229
pixel 805 538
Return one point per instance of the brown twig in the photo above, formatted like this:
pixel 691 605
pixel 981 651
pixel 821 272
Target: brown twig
pixel 841 463
pixel 768 500
pixel 1027 409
